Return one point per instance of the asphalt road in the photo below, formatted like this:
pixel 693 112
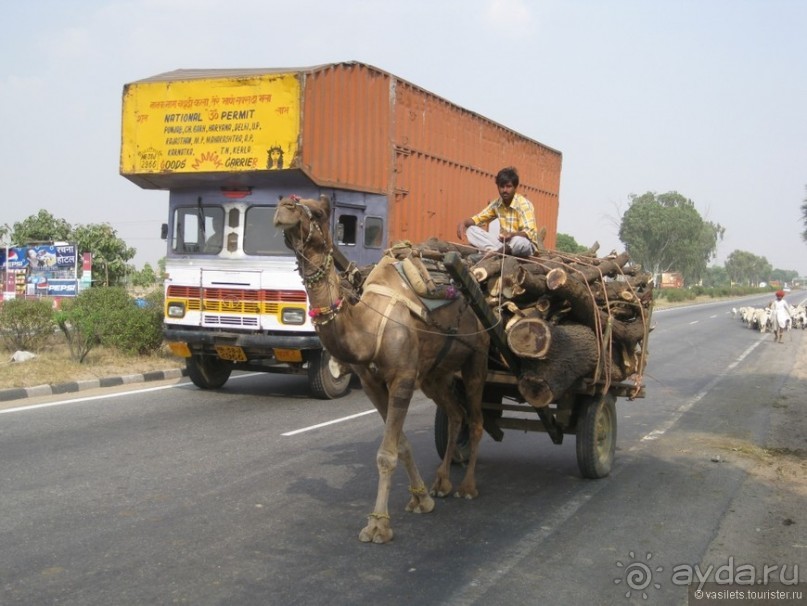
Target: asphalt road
pixel 255 494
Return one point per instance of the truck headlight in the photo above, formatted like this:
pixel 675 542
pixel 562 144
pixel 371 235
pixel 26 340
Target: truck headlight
pixel 176 310
pixel 292 315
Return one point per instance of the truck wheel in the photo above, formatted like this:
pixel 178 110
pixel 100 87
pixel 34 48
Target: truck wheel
pixel 208 372
pixel 323 376
pixel 596 435
pixel 462 452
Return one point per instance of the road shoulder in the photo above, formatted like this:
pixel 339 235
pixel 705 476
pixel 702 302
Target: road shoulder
pixel 767 521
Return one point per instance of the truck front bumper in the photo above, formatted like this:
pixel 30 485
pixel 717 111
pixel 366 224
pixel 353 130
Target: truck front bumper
pixel 250 342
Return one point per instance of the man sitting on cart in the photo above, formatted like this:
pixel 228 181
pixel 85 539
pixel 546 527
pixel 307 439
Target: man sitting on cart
pixel 518 235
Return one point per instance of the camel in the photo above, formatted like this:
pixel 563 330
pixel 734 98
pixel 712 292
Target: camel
pixel 395 347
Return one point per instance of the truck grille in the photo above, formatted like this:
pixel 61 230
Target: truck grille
pixel 243 321
pixel 235 300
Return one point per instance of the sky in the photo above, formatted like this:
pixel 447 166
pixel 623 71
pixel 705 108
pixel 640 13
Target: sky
pixel 704 97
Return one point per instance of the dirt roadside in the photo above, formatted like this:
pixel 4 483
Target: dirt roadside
pixel 768 521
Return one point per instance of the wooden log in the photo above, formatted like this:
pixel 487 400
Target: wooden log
pixel 533 285
pixel 510 313
pixel 626 312
pixel 585 310
pixel 572 355
pixel 495 265
pixel 619 289
pixel 529 338
pixel 585 269
pixel 435 248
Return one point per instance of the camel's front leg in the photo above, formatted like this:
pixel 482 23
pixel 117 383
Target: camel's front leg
pixel 393 445
pixel 378 528
pixel 420 501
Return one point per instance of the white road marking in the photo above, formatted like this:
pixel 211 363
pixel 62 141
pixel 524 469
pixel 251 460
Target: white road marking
pixel 86 399
pixel 326 423
pixel 107 395
pixel 673 419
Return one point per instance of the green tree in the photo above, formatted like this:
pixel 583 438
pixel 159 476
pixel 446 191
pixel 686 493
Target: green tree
pixel 746 268
pixel 110 254
pixel 784 275
pixel 145 277
pixel 41 227
pixel 716 276
pixel 566 243
pixel 665 232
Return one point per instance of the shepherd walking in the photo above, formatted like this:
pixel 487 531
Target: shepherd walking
pixel 781 316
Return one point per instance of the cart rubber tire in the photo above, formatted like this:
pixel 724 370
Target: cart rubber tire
pixel 596 435
pixel 462 452
pixel 208 372
pixel 323 378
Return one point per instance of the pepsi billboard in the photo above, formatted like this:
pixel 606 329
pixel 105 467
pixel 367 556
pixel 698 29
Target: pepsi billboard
pixel 46 257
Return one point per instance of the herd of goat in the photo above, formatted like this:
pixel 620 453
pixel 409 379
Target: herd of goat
pixel 761 318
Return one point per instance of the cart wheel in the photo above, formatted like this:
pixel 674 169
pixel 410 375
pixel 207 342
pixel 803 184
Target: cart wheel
pixel 208 372
pixel 462 452
pixel 596 435
pixel 324 378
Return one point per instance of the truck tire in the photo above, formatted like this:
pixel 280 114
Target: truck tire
pixel 596 435
pixel 208 372
pixel 462 452
pixel 323 377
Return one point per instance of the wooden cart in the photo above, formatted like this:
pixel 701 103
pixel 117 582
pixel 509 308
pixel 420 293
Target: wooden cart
pixel 587 410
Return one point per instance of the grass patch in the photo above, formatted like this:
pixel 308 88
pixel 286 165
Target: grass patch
pixel 54 365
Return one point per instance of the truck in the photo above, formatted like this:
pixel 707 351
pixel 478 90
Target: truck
pixel 397 161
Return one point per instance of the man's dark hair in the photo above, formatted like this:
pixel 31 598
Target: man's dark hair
pixel 507 175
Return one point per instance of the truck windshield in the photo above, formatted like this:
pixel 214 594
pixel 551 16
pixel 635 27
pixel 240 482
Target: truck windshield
pixel 198 229
pixel 201 229
pixel 261 237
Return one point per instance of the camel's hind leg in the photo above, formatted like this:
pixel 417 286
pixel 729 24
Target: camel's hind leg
pixel 474 375
pixel 442 391
pixel 393 445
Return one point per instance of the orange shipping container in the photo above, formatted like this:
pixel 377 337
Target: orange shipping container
pixel 344 125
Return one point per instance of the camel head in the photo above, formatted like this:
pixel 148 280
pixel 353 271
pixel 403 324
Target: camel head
pixel 306 225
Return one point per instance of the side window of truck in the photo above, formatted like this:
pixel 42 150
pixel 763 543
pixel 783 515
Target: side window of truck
pixel 373 232
pixel 346 230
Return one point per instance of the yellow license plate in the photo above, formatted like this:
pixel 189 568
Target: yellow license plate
pixel 288 355
pixel 231 352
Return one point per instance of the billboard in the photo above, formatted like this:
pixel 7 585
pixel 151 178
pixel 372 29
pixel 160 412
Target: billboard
pixel 47 257
pixel 43 270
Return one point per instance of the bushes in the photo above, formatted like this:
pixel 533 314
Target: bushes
pixel 26 324
pixel 674 295
pixel 109 316
pixel 140 331
pixel 677 295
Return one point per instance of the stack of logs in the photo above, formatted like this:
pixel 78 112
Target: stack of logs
pixel 566 316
